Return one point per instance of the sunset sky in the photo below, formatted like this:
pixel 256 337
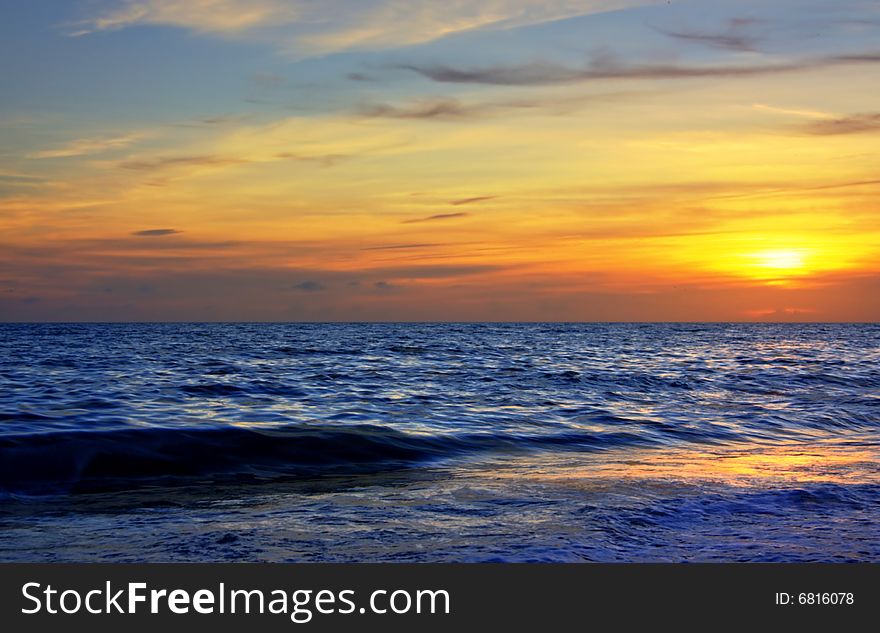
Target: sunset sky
pixel 534 160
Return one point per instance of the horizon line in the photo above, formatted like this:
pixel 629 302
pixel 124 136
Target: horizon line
pixel 429 322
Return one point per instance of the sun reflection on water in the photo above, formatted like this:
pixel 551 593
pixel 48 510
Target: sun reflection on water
pixel 756 465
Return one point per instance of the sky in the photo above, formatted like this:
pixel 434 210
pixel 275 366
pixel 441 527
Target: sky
pixel 428 160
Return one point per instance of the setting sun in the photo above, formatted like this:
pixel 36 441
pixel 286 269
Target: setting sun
pixel 789 260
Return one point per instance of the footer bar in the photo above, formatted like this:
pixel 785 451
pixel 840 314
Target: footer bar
pixel 431 597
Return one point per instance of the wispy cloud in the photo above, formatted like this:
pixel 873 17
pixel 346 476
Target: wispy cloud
pixel 156 232
pixel 212 121
pixel 208 16
pixel 439 216
pixel 326 160
pixel 304 27
pixel 434 108
pixel 436 272
pixel 163 163
pixel 451 109
pixel 395 247
pixel 798 112
pixel 178 161
pixel 471 200
pixel 83 146
pixel 737 36
pixel 853 124
pixel 310 285
pixel 605 68
pixel 19 178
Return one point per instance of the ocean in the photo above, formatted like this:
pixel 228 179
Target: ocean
pixel 439 442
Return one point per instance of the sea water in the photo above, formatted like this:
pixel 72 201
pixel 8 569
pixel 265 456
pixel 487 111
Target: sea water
pixel 439 442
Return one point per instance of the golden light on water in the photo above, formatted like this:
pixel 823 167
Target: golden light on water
pixel 737 466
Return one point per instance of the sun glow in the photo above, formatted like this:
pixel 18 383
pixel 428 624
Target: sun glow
pixel 779 266
pixel 784 259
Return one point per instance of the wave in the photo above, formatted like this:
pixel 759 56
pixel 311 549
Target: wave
pixel 103 460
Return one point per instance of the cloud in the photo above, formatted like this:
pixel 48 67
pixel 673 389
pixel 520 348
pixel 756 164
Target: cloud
pixel 853 124
pixel 394 247
pixel 14 180
pixel 434 218
pixel 326 160
pixel 471 200
pixel 735 37
pixel 779 314
pixel 206 16
pixel 263 294
pixel 310 286
pixel 844 185
pixel 305 27
pixel 80 147
pixel 451 109
pixel 604 68
pixel 177 161
pixel 156 232
pixel 212 121
pixel 412 273
pixel 268 81
pixel 15 176
pixel 798 112
pixel 163 163
pixel 441 108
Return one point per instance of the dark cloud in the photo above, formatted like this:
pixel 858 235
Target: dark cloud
pixel 867 57
pixel 735 37
pixel 718 40
pixel 175 161
pixel 604 67
pixel 326 160
pixel 844 185
pixel 259 295
pixel 445 109
pixel 439 216
pixel 310 286
pixel 435 272
pixel 211 121
pixel 167 162
pixel 218 120
pixel 268 81
pixel 394 247
pixel 17 178
pixel 854 124
pixel 156 232
pixel 472 200
pixel 439 108
pixel 359 77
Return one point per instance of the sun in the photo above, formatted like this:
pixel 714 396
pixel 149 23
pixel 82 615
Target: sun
pixel 781 260
pixel 784 262
pixel 776 266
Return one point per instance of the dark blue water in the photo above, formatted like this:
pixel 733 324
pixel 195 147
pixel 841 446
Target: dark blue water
pixel 452 442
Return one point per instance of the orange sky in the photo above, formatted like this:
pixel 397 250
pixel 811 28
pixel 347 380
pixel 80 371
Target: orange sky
pixel 231 160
